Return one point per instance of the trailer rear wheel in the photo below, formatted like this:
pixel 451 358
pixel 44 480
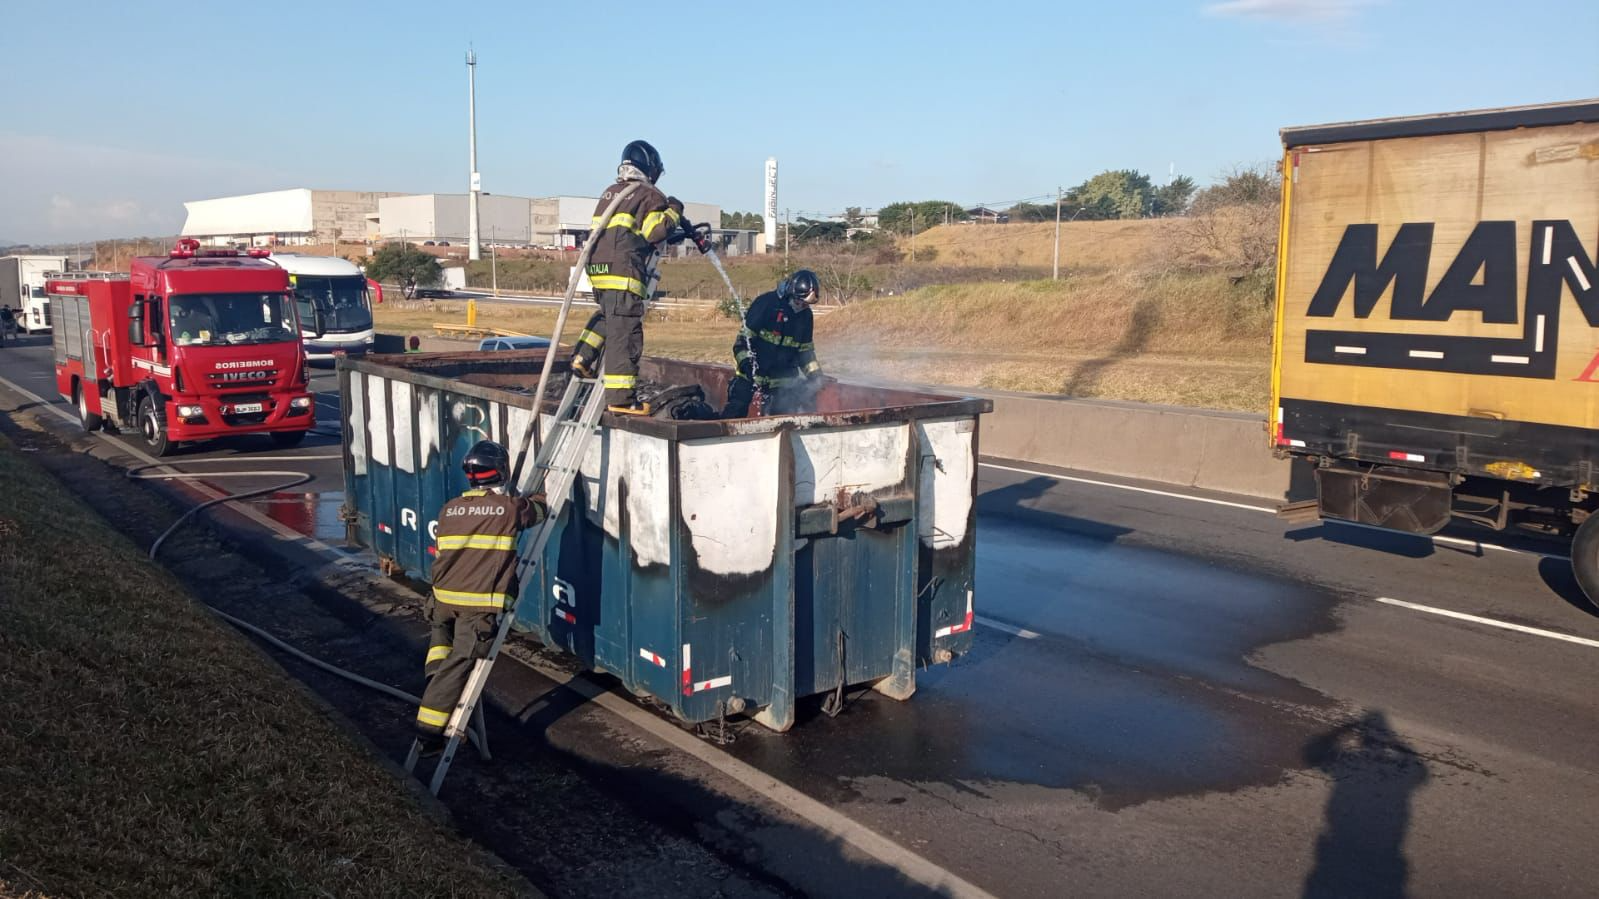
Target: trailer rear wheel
pixel 153 427
pixel 1585 557
pixel 91 422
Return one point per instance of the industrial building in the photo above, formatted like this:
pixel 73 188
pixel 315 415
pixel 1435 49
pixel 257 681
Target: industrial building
pixel 440 218
pixel 554 222
pixel 295 216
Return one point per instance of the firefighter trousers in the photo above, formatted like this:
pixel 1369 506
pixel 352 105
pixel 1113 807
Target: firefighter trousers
pixel 619 328
pixel 461 636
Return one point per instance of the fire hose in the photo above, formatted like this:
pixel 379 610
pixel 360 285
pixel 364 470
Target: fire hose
pixel 295 478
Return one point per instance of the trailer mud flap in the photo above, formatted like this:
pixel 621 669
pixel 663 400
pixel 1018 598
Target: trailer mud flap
pixel 1400 499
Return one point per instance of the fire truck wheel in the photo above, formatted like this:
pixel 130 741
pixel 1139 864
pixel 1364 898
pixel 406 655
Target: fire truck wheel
pixel 153 427
pixel 1585 557
pixel 91 422
pixel 287 439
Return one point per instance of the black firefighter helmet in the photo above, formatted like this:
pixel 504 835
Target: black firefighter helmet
pixel 802 286
pixel 643 157
pixel 486 464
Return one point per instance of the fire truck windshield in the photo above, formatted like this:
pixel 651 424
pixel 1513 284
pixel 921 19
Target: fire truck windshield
pixel 228 319
pixel 345 307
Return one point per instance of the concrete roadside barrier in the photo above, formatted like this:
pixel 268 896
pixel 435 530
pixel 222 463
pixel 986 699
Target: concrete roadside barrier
pixel 1208 449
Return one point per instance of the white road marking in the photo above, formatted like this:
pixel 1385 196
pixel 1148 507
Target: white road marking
pixel 1538 341
pixel 1548 242
pixel 1011 629
pixel 286 533
pixel 1426 354
pixel 1491 622
pixel 1350 350
pixel 1437 538
pixel 1512 360
pixel 1149 490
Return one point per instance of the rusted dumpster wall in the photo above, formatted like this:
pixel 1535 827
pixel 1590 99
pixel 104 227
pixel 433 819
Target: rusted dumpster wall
pixel 718 566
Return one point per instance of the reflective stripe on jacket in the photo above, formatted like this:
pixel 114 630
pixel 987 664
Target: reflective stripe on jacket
pixel 476 562
pixel 777 340
pixel 624 248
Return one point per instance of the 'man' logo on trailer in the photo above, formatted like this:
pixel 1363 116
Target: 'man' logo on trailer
pixel 1482 279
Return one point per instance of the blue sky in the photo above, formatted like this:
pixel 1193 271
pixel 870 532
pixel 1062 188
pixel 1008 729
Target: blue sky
pixel 114 118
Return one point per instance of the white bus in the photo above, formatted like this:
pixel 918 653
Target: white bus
pixel 22 288
pixel 339 288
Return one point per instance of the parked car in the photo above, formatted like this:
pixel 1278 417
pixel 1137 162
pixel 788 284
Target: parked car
pixel 513 343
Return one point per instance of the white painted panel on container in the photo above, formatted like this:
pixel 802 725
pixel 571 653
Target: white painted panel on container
pixel 404 427
pixel 517 440
pixel 729 501
pixel 642 462
pixel 377 395
pixel 427 413
pixel 946 490
pixel 357 421
pixel 866 458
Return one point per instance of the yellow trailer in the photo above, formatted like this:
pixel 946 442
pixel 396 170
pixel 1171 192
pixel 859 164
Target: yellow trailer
pixel 1437 343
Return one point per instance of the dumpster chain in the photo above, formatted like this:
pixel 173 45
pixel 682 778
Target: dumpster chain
pixel 834 703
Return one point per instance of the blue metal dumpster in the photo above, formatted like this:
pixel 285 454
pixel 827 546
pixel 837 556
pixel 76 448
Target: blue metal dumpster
pixel 719 566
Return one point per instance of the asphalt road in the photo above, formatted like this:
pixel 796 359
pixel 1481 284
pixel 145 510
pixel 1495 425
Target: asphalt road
pixel 1174 693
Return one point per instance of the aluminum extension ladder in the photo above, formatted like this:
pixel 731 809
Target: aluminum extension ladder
pixel 555 468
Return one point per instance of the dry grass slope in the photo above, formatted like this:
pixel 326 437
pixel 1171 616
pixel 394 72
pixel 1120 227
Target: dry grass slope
pixel 1093 245
pixel 147 750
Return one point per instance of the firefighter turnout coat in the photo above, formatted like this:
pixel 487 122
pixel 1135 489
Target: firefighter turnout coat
pixel 775 347
pixel 624 251
pixel 474 579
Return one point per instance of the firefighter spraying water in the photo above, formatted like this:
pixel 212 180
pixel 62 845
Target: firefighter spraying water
pixel 774 353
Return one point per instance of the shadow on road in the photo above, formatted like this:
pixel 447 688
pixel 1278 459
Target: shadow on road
pixel 1140 328
pixel 1361 850
pixel 1014 501
pixel 1558 577
pixel 1395 543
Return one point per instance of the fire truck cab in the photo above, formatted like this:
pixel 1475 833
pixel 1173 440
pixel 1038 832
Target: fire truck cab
pixel 200 344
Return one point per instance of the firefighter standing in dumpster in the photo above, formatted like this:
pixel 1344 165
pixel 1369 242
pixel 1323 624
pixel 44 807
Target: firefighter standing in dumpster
pixel 474 580
pixel 622 270
pixel 774 353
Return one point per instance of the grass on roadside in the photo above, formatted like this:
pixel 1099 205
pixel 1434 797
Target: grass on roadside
pixel 1173 338
pixel 148 749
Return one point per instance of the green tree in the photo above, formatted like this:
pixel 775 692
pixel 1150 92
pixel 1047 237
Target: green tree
pixel 902 218
pixel 1242 185
pixel 1173 197
pixel 405 265
pixel 814 231
pixel 743 221
pixel 1032 212
pixel 1114 194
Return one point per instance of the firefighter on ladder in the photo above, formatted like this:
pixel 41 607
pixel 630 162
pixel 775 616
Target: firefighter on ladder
pixel 773 353
pixel 474 580
pixel 622 269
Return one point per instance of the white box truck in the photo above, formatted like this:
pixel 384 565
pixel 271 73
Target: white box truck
pixel 22 288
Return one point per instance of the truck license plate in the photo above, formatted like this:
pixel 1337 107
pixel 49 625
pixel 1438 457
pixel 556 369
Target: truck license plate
pixel 248 407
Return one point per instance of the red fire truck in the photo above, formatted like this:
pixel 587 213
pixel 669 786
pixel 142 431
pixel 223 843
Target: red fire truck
pixel 200 344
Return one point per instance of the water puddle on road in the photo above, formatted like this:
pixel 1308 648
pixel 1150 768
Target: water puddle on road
pixel 1137 686
pixel 312 514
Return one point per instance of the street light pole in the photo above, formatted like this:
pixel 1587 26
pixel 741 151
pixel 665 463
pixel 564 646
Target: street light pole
pixel 474 244
pixel 1056 276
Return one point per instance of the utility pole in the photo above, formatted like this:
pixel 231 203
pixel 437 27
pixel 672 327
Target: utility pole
pixel 474 245
pixel 494 261
pixel 913 233
pixel 786 229
pixel 1058 194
